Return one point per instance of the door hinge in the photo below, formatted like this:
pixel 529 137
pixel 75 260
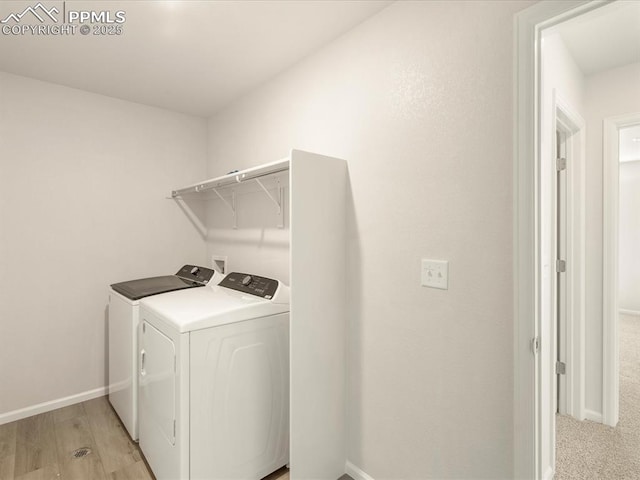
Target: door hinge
pixel 174 429
pixel 535 345
pixel 561 164
pixel 561 368
pixel 561 266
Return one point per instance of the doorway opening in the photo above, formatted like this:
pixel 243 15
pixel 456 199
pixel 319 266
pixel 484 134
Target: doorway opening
pixel 619 148
pixel 548 338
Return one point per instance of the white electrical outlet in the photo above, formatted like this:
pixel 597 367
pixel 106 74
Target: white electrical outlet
pixel 219 263
pixel 435 274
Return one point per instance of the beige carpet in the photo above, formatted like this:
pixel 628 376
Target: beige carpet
pixel 588 450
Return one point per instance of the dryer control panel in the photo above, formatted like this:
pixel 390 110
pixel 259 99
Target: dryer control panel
pixel 252 284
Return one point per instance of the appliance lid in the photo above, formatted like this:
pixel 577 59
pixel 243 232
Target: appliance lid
pixel 188 276
pixel 145 287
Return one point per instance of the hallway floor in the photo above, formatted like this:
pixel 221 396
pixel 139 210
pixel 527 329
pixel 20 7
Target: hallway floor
pixel 589 450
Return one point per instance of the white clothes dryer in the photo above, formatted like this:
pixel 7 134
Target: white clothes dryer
pixel 124 304
pixel 214 380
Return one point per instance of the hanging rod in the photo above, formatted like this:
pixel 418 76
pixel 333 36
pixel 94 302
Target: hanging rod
pixel 234 178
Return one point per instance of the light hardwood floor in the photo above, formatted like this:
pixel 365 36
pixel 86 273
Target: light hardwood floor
pixel 42 447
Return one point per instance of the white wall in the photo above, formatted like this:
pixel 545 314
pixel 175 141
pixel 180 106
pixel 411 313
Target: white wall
pixel 561 73
pixel 418 99
pixel 629 237
pixel 83 181
pixel 610 93
pixel 258 246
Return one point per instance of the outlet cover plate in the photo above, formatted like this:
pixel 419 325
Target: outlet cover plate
pixel 219 263
pixel 435 274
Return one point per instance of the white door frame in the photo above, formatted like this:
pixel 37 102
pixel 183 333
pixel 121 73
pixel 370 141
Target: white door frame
pixel 573 125
pixel 610 352
pixel 527 280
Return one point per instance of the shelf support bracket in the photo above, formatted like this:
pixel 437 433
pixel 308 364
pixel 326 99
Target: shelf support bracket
pixel 278 203
pixel 231 206
pixel 193 218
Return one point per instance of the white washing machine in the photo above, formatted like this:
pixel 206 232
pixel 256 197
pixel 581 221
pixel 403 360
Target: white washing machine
pixel 124 301
pixel 214 380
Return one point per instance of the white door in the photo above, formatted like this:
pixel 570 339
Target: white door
pixel 157 412
pixel 240 399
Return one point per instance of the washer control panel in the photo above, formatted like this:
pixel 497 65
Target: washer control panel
pixel 195 274
pixel 252 284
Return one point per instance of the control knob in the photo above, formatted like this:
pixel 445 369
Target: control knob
pixel 246 280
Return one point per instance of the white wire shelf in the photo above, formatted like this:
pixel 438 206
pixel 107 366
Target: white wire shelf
pixel 256 175
pixel 234 178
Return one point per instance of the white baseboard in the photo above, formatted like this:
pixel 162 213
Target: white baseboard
pixel 593 416
pixel 548 475
pixel 355 473
pixel 51 405
pixel 624 311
